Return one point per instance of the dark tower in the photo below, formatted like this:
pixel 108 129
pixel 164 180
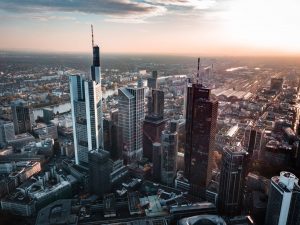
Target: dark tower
pixel 21 113
pixel 201 121
pixel 152 81
pixel 233 172
pixel 95 68
pixel 154 122
pixel 100 167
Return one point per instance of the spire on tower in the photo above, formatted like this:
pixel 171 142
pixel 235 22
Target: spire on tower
pixel 92 35
pixel 198 68
pixel 198 72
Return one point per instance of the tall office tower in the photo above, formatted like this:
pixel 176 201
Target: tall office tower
pixel 86 107
pixel 154 122
pixel 21 113
pixel 110 135
pixel 254 140
pixel 156 104
pixel 233 173
pixel 276 83
pixel 152 81
pixel 131 117
pixel 100 167
pixel 201 121
pixel 156 161
pixel 7 132
pixel 48 115
pixel 107 133
pixel 284 200
pixel 169 148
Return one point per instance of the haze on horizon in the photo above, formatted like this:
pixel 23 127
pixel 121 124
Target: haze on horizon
pixel 189 27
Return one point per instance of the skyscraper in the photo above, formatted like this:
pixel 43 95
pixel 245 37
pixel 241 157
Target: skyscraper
pixel 86 107
pixel 21 113
pixel 156 170
pixel 110 135
pixel 169 150
pixel 154 122
pixel 284 200
pixel 276 83
pixel 233 172
pixel 100 167
pixel 152 81
pixel 7 132
pixel 131 117
pixel 201 121
pixel 254 139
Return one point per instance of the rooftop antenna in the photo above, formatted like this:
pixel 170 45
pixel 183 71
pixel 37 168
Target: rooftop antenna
pixel 198 70
pixel 92 35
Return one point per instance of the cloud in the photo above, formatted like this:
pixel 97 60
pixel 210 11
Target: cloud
pixel 195 4
pixel 136 18
pixel 43 18
pixel 108 7
pixel 120 11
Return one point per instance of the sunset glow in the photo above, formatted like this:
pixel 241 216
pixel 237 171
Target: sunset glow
pixel 190 27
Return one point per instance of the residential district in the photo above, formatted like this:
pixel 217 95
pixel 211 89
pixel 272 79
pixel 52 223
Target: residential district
pixel 207 142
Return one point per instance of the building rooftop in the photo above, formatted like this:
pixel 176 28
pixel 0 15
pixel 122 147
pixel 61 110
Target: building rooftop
pixel 202 220
pixel 57 213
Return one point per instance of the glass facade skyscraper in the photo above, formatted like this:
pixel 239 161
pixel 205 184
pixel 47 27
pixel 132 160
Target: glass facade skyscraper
pixel 86 102
pixel 284 200
pixel 131 117
pixel 201 121
pixel 21 113
pixel 169 149
pixel 233 172
pixel 154 122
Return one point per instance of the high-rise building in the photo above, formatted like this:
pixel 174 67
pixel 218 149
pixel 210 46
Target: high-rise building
pixel 110 135
pixel 169 150
pixel 107 133
pixel 284 200
pixel 86 105
pixel 233 172
pixel 7 132
pixel 154 122
pixel 100 168
pixel 201 120
pixel 276 83
pixel 48 115
pixel 254 140
pixel 130 120
pixel 21 113
pixel 156 161
pixel 152 81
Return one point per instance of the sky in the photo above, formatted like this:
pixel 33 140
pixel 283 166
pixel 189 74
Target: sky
pixel 179 27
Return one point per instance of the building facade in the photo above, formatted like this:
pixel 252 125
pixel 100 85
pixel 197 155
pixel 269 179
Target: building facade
pixel 100 167
pixel 156 169
pixel 21 113
pixel 86 102
pixel 284 200
pixel 130 121
pixel 254 140
pixel 201 120
pixel 233 172
pixel 169 148
pixel 7 132
pixel 154 122
pixel 152 81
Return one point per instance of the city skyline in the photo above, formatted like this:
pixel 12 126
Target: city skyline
pixel 179 27
pixel 137 136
